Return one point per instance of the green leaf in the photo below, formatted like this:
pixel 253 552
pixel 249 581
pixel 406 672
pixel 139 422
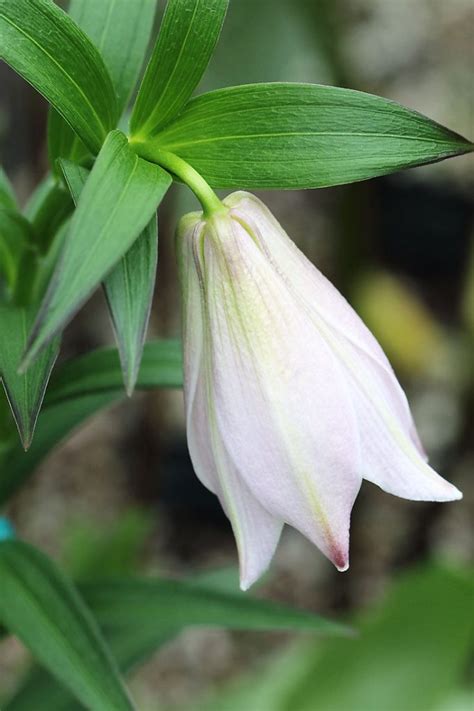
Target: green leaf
pixel 408 656
pixel 15 236
pixel 148 606
pixel 39 196
pixel 75 176
pixel 120 29
pixel 129 287
pixel 79 388
pixel 47 262
pixel 118 201
pixel 55 423
pixel 7 195
pixel 412 651
pixel 99 372
pixel 47 209
pixel 140 615
pixel 24 392
pixel 300 136
pixel 39 690
pixel 48 49
pixel 40 606
pixel 188 34
pixel 93 550
pixel 64 143
pixel 135 632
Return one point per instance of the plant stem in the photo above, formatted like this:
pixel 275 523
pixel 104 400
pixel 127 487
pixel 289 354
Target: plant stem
pixel 185 172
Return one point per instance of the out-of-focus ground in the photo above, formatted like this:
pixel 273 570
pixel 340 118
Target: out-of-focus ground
pixel 397 247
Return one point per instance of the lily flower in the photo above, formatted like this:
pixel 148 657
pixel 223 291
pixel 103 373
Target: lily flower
pixel 290 400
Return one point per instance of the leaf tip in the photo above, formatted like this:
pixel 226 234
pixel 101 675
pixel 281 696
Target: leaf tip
pixel 130 369
pixel 26 431
pixel 26 440
pixel 129 389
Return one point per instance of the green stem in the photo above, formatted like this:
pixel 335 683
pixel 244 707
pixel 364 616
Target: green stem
pixel 185 172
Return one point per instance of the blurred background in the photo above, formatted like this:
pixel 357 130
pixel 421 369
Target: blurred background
pixel 121 493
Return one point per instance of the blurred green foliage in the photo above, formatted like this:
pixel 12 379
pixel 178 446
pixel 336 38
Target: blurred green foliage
pixel 94 551
pixel 411 654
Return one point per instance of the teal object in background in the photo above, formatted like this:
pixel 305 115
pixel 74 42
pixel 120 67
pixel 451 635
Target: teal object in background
pixel 6 529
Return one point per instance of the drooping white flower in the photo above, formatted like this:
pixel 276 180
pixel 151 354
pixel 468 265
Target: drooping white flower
pixel 290 401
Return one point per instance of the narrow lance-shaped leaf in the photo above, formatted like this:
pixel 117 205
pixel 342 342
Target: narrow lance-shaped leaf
pixel 48 49
pixel 39 196
pixel 49 206
pixel 300 136
pixel 8 432
pixel 7 195
pixel 139 615
pixel 99 372
pixel 17 258
pixel 15 235
pixel 40 690
pixel 129 289
pixel 64 143
pixel 162 603
pixel 54 425
pixel 120 29
pixel 24 392
pixel 47 262
pixel 188 34
pixel 119 199
pixel 129 286
pixel 41 607
pixel 75 176
pixel 170 606
pixel 80 388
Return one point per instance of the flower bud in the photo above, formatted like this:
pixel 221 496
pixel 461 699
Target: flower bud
pixel 290 401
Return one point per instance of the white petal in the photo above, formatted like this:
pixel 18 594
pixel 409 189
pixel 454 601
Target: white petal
pixel 392 454
pixel 282 407
pixel 256 531
pixel 389 456
pixel 187 242
pixel 322 297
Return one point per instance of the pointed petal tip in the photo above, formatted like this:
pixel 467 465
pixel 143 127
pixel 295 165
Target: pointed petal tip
pixel 419 487
pixel 443 493
pixel 340 558
pixel 452 493
pixel 248 578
